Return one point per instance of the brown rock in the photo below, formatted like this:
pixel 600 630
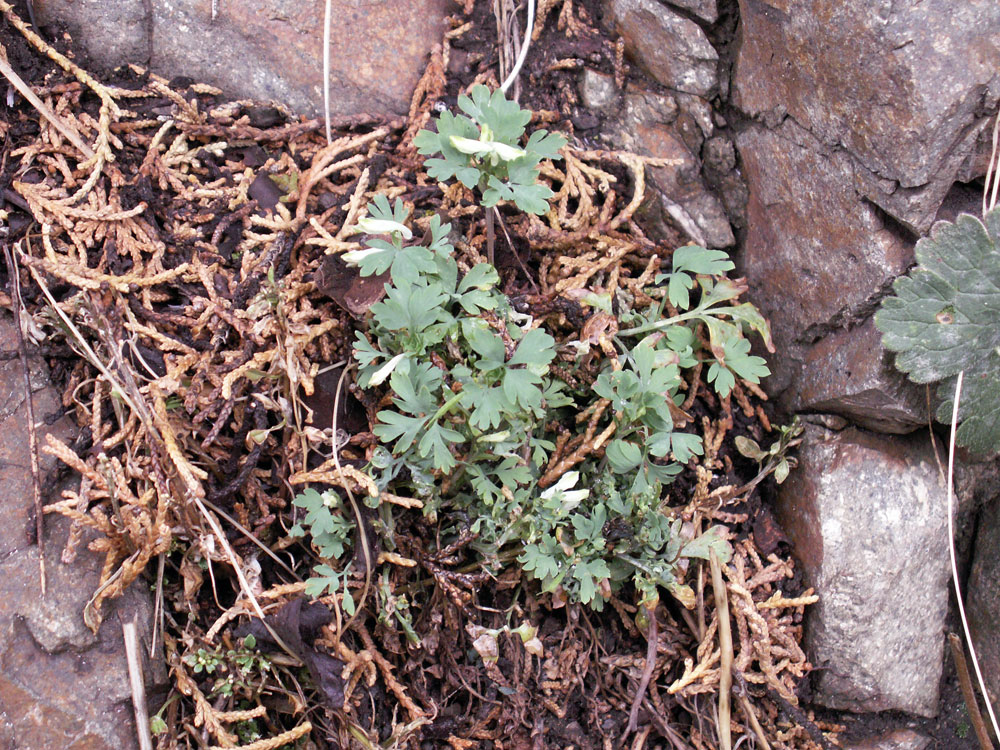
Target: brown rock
pixel 672 49
pixel 61 686
pixel 267 49
pixel 904 88
pixel 866 517
pixel 817 256
pixel 848 373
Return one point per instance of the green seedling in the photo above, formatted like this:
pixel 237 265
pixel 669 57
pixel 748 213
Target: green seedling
pixel 483 150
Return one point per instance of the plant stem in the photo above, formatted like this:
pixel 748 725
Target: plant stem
pixel 726 647
pixel 491 237
pixel 446 407
pixel 659 325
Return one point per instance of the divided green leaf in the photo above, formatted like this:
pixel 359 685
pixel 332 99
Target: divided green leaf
pixel 482 150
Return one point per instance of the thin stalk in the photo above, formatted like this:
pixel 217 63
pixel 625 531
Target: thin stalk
pixel 25 90
pixel 726 660
pixel 524 48
pixel 661 324
pixel 446 407
pixel 647 670
pixel 36 485
pixel 954 562
pixel 137 685
pixel 491 236
pixel 326 67
pixel 969 692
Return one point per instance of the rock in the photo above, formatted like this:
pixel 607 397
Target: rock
pixel 719 154
pixel 669 47
pixel 848 373
pixel 817 256
pixel 814 251
pixel 866 517
pixel 649 124
pixel 110 33
pixel 61 686
pixel 16 493
pixel 722 176
pixel 598 90
pixel 983 597
pixel 700 112
pixel 267 49
pixel 706 10
pixel 904 88
pixel 897 739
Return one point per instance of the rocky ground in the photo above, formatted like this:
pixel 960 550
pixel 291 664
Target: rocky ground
pixel 814 141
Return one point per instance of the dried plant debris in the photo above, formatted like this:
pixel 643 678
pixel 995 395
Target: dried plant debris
pixel 184 274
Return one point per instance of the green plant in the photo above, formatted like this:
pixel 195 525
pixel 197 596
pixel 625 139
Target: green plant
pixel 203 661
pixel 775 459
pixel 329 527
pixel 476 412
pixel 945 318
pixel 726 324
pixel 327 522
pixel 483 150
pixel 233 668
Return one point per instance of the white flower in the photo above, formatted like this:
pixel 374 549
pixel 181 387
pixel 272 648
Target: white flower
pixel 383 226
pixel 570 497
pixel 385 370
pixel 495 437
pixel 354 257
pixel 484 148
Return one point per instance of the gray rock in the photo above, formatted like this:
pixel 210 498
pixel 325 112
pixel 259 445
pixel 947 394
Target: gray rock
pixel 904 88
pixel 649 124
pixel 983 597
pixel 897 739
pixel 598 90
pixel 699 110
pixel 706 10
pixel 16 493
pixel 669 47
pixel 866 515
pixel 111 34
pixel 698 212
pixel 61 686
pixel 267 49
pixel 645 108
pixel 719 154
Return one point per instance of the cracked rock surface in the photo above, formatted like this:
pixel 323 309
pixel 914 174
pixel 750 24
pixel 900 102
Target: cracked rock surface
pixel 863 117
pixel 62 687
pixel 267 49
